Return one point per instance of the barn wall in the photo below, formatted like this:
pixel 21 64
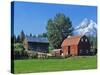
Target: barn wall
pixel 74 50
pixel 40 47
pixel 25 44
pixel 65 53
pixel 84 46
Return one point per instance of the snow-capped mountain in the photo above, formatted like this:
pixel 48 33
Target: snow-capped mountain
pixel 86 27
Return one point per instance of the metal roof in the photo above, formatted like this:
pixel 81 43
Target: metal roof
pixel 36 39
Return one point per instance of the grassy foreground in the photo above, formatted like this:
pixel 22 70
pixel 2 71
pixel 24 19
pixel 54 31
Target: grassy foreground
pixel 45 65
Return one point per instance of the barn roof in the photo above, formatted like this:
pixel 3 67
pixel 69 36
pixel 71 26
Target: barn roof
pixel 36 39
pixel 72 40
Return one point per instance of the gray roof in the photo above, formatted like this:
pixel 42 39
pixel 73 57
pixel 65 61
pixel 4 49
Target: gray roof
pixel 36 39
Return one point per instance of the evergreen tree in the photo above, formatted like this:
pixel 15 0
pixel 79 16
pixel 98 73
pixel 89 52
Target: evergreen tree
pixel 18 39
pixel 34 36
pixel 58 29
pixel 22 36
pixel 43 35
pixel 30 35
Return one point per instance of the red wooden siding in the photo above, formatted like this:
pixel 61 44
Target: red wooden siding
pixel 72 45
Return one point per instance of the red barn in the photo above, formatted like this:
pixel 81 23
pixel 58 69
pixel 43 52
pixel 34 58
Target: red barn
pixel 76 45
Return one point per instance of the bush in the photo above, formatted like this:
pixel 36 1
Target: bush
pixel 18 47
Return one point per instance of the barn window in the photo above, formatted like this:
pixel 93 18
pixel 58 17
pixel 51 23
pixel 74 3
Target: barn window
pixel 80 51
pixel 85 40
pixel 82 40
pixel 87 51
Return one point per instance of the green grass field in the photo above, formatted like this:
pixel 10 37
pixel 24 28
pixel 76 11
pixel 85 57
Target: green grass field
pixel 45 65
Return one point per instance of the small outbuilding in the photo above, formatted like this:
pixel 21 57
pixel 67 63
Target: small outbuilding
pixel 56 52
pixel 76 45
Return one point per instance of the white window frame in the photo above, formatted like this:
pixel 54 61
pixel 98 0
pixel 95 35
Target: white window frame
pixel 85 40
pixel 82 39
pixel 80 50
pixel 87 51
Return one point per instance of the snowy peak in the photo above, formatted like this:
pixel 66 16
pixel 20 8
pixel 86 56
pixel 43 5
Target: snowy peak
pixel 86 27
pixel 83 24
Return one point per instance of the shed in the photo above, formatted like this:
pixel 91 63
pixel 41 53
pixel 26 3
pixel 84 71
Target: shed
pixel 56 52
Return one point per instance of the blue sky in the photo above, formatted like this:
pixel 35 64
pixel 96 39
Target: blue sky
pixel 32 17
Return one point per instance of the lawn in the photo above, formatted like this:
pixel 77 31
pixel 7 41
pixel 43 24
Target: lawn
pixel 45 65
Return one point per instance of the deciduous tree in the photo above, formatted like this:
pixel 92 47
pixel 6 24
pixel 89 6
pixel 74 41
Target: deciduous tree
pixel 58 29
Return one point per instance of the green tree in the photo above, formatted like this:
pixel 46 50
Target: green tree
pixel 30 35
pixel 22 36
pixel 34 36
pixel 18 47
pixel 39 36
pixel 58 29
pixel 18 39
pixel 93 40
pixel 43 35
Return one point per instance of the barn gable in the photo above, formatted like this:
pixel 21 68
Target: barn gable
pixel 72 40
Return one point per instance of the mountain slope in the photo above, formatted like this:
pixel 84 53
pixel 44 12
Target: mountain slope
pixel 86 27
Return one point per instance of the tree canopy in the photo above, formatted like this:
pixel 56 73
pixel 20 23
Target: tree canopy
pixel 58 29
pixel 43 35
pixel 22 36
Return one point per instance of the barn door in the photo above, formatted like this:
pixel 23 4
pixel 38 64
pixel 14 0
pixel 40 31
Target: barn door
pixel 68 50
